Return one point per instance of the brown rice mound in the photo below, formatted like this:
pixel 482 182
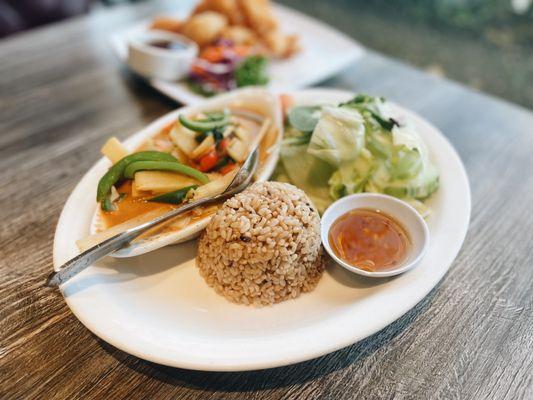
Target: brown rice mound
pixel 263 246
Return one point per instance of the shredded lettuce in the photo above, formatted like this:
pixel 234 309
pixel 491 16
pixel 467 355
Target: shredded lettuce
pixel 338 136
pixel 307 172
pixel 359 146
pixel 304 118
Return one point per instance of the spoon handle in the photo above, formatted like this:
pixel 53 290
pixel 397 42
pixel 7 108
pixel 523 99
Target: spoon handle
pixel 114 243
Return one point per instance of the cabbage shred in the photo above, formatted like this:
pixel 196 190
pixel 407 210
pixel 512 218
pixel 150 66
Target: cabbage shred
pixel 357 146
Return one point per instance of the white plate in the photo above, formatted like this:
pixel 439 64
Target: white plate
pixel 325 52
pixel 157 307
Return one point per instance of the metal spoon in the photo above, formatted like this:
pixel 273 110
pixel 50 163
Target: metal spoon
pixel 72 267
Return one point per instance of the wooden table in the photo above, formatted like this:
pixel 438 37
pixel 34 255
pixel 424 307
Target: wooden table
pixel 63 93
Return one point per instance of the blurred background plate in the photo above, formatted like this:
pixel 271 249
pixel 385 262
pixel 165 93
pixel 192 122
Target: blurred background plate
pixel 325 52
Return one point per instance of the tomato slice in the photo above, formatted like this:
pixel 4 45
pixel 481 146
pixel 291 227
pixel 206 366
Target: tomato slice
pixel 208 161
pixel 287 102
pixel 223 145
pixel 213 54
pixel 227 168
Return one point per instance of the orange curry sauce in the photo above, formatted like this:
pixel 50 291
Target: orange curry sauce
pixel 130 207
pixel 368 239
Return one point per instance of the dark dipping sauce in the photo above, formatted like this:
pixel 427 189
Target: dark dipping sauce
pixel 167 44
pixel 369 240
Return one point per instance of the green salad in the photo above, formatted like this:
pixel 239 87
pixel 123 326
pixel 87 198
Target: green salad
pixel 332 151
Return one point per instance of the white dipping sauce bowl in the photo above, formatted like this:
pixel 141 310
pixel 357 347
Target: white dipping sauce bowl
pixel 155 62
pixel 413 223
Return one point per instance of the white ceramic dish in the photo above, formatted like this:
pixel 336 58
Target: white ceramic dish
pixel 325 52
pixel 157 307
pixel 402 212
pixel 259 100
pixel 153 62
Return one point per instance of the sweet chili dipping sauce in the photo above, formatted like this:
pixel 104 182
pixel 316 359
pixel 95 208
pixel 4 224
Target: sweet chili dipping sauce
pixel 368 239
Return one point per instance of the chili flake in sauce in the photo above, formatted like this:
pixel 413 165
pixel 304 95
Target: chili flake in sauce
pixel 368 239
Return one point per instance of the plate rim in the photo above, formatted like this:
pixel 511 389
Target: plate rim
pixel 370 329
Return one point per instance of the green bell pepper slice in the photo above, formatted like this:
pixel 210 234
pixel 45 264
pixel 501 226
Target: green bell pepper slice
pixel 205 125
pixel 115 174
pixel 175 197
pixel 175 166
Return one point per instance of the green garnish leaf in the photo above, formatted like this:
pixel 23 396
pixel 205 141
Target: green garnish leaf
pixel 252 72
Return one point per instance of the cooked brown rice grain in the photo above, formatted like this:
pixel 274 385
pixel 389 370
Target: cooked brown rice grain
pixel 263 246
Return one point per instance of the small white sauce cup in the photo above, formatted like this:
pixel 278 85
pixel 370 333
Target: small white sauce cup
pixel 154 62
pixel 403 213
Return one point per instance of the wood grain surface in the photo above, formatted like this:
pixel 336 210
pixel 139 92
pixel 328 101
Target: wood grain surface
pixel 63 93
